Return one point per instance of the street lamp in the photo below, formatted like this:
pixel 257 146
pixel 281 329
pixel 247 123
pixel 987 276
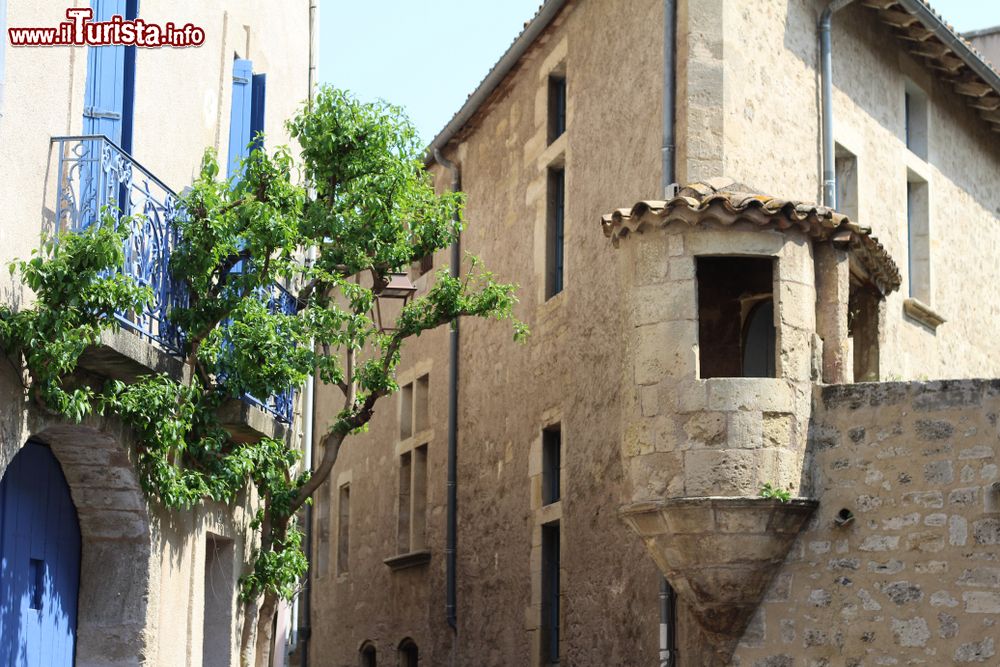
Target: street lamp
pixel 392 292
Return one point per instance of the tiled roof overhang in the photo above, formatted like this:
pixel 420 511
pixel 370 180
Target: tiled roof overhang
pixel 929 38
pixel 727 203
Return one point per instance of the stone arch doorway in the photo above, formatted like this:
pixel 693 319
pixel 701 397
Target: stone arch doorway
pixel 115 544
pixel 39 562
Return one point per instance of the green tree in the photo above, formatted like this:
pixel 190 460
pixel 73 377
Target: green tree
pixel 368 209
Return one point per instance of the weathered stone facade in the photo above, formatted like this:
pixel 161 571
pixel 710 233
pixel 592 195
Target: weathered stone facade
pixel 615 362
pixel 143 580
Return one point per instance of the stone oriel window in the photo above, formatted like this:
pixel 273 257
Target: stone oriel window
pixel 736 331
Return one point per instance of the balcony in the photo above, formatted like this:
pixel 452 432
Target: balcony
pixel 94 173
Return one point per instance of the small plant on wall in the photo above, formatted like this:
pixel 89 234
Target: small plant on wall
pixel 775 493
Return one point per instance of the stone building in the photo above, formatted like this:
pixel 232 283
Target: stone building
pixel 121 582
pixel 805 313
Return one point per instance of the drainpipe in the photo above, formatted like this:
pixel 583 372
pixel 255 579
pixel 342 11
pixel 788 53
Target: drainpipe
pixel 826 74
pixel 450 553
pixel 303 628
pixel 668 614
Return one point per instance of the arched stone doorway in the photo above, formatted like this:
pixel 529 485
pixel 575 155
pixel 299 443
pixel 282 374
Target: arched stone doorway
pixel 39 562
pixel 116 544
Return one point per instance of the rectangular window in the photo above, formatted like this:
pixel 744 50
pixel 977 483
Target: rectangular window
pixel 847 182
pixel 421 404
pixel 406 411
pixel 557 107
pixel 555 236
pixel 405 507
pixel 418 504
pixel 915 119
pixel 550 594
pixel 919 242
pixel 258 94
pixel 412 518
pixel 736 333
pixel 344 529
pixel 323 502
pixel 551 463
pixel 218 610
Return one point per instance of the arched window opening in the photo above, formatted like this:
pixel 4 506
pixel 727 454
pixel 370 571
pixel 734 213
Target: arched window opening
pixel 409 655
pixel 368 655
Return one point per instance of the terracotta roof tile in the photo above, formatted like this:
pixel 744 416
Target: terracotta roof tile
pixel 726 203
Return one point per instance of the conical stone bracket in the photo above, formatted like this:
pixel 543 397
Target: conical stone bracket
pixel 719 554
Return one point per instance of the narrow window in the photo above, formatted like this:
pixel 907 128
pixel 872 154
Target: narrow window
pixel 412 524
pixel 847 182
pixel 323 534
pixel 555 241
pixel 344 529
pixel 418 522
pixel 368 655
pixel 862 326
pixel 736 334
pixel 557 107
pixel 218 610
pixel 406 411
pixel 550 594
pixel 919 242
pixel 551 463
pixel 915 119
pixel 405 496
pixel 409 655
pixel 421 404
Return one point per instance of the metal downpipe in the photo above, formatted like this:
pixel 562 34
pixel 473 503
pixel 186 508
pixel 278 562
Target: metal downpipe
pixel 826 92
pixel 450 551
pixel 668 615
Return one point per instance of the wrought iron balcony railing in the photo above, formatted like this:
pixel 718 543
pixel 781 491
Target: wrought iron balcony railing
pixel 96 175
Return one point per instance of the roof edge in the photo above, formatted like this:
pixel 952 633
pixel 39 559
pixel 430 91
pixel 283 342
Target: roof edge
pixel 534 27
pixel 954 41
pixel 981 32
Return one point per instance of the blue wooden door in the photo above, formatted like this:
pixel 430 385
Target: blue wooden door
pixel 39 562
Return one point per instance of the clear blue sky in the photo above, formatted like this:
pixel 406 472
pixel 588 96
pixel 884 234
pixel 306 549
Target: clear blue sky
pixel 429 55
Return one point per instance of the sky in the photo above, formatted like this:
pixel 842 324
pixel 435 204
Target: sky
pixel 429 55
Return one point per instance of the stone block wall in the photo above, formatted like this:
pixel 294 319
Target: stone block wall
pixel 915 577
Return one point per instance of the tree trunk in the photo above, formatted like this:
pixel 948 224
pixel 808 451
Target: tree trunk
pixel 250 613
pixel 265 629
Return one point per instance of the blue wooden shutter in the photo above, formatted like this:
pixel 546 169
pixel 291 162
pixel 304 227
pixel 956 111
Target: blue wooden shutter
pixel 104 97
pixel 257 110
pixel 239 115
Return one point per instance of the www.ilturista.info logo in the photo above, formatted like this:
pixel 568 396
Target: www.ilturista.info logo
pixel 80 30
